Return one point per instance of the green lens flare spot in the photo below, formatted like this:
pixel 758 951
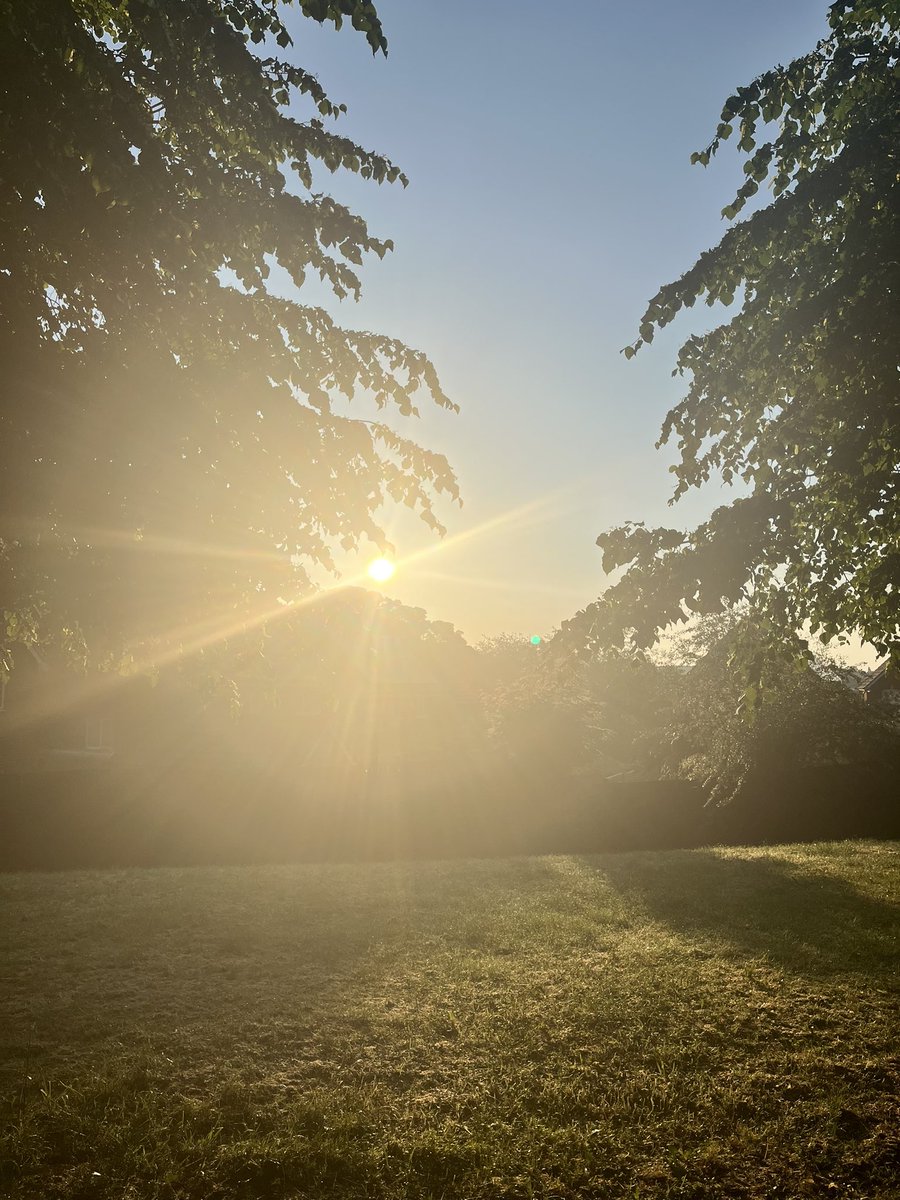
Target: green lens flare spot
pixel 536 639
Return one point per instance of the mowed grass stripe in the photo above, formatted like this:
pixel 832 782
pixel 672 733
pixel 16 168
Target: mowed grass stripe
pixel 690 1024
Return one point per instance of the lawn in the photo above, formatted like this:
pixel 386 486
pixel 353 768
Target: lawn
pixel 715 1023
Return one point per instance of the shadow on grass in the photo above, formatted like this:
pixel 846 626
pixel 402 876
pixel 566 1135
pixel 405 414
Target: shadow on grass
pixel 208 961
pixel 809 923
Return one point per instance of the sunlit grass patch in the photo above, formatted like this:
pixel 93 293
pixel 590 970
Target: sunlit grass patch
pixel 707 1023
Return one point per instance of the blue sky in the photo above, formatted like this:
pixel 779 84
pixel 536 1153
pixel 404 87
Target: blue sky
pixel 551 193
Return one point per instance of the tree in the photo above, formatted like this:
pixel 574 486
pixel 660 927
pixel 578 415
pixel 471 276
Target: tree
pixel 174 452
pixel 504 659
pixel 557 722
pixel 797 395
pixel 813 715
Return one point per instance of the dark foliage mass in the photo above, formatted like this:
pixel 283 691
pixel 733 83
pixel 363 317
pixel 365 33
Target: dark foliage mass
pixel 796 397
pixel 174 434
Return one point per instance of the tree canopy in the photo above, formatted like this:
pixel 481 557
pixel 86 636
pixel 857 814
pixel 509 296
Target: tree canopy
pixel 175 437
pixel 796 397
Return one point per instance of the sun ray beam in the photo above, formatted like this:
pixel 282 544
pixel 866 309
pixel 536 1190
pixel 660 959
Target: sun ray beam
pixel 500 585
pixel 185 642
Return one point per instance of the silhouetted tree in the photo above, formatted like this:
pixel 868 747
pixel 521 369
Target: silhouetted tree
pixel 173 443
pixel 505 658
pixel 715 733
pixel 357 689
pixel 555 722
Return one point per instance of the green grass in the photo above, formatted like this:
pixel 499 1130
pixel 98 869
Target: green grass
pixel 692 1024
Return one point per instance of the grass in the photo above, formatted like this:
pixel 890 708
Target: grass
pixel 716 1023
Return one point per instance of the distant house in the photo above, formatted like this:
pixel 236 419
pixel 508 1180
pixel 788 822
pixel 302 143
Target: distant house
pixel 882 687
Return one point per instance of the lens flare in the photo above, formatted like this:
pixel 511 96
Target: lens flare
pixel 381 570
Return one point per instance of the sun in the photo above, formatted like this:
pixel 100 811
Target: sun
pixel 381 569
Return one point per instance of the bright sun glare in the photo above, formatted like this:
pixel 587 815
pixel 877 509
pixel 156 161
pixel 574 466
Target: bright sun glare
pixel 381 569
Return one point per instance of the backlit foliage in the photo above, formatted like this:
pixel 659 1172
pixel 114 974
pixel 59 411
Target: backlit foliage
pixel 175 434
pixel 796 397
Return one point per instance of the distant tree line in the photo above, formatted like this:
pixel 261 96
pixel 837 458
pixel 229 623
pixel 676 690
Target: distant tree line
pixel 358 691
pixel 355 727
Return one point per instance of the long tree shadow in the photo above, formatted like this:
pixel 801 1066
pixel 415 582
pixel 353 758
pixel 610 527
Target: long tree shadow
pixel 170 959
pixel 808 922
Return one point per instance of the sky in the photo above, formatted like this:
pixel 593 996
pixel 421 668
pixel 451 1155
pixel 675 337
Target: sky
pixel 551 193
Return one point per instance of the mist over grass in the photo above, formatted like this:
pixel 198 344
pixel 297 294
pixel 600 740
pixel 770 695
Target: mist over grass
pixel 685 1024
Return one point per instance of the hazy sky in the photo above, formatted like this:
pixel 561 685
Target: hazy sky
pixel 551 193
